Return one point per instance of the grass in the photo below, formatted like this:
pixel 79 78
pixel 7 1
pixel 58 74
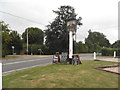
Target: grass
pixel 11 57
pixel 63 76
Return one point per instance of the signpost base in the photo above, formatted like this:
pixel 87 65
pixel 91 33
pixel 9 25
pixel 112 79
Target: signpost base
pixel 70 60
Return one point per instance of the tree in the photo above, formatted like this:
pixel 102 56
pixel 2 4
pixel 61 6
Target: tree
pixel 6 39
pixel 6 43
pixel 80 47
pixel 4 26
pixel 16 41
pixel 10 38
pixel 56 32
pixel 35 36
pixel 116 44
pixel 96 40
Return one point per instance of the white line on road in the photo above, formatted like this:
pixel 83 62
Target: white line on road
pixel 23 61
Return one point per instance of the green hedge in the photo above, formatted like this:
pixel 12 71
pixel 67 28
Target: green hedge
pixel 110 51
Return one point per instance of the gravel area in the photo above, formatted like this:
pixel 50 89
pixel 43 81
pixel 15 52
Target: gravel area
pixel 113 69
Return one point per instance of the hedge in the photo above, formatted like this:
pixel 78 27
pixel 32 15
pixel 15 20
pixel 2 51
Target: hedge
pixel 110 51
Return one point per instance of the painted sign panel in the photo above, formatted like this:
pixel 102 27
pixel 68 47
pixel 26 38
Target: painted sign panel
pixel 64 57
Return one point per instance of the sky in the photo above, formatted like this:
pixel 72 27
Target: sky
pixel 97 15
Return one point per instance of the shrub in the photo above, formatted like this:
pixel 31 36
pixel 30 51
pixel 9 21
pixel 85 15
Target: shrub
pixel 110 51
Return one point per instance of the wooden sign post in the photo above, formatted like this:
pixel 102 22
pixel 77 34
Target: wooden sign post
pixel 76 60
pixel 56 58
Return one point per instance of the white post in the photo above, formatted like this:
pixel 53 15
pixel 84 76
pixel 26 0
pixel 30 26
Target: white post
pixel 0 75
pixel 13 49
pixel 114 54
pixel 27 41
pixel 94 55
pixel 70 44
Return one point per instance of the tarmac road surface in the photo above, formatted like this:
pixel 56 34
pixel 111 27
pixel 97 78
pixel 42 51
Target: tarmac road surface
pixel 24 63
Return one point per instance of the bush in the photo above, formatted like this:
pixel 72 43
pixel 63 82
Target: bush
pixel 110 51
pixel 35 49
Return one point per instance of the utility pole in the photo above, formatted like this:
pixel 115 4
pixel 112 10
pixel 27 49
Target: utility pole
pixel 27 42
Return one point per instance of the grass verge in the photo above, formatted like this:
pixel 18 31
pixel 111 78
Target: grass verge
pixel 63 76
pixel 11 57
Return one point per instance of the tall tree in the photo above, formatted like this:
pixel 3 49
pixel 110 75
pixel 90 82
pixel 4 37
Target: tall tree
pixel 10 38
pixel 35 36
pixel 96 40
pixel 56 32
pixel 16 41
pixel 4 26
pixel 116 44
pixel 6 39
pixel 6 43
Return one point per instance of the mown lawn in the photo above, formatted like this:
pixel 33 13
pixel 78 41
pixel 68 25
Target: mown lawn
pixel 63 76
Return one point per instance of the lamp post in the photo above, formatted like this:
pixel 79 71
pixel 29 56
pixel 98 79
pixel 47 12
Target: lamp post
pixel 13 49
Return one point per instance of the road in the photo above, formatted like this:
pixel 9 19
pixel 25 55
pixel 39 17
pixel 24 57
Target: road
pixel 24 63
pixel 29 62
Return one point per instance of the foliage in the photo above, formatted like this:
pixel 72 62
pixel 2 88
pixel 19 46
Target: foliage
pixel 95 41
pixel 6 43
pixel 35 36
pixel 4 26
pixel 34 49
pixel 56 32
pixel 80 47
pixel 10 38
pixel 16 41
pixel 110 51
pixel 116 44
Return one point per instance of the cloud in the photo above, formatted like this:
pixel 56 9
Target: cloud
pixel 98 15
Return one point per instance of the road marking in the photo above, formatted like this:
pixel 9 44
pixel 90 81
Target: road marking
pixel 25 68
pixel 23 61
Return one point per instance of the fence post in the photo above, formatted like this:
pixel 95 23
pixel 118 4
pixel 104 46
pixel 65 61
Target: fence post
pixel 114 54
pixel 94 55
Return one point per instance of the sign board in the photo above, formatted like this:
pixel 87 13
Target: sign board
pixel 64 57
pixel 56 58
pixel 71 25
pixel 76 60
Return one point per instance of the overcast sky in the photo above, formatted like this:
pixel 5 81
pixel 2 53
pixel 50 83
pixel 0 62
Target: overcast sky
pixel 97 15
